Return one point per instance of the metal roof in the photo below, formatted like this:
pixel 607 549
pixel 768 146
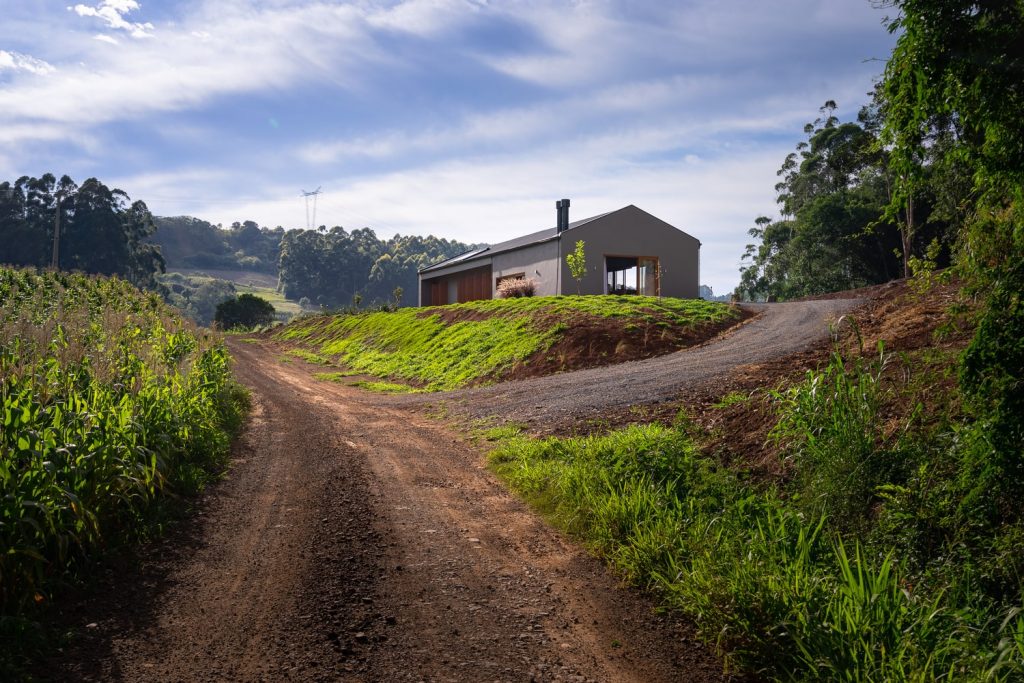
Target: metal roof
pixel 510 245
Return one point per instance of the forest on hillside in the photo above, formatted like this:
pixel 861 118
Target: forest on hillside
pixel 325 267
pixel 849 218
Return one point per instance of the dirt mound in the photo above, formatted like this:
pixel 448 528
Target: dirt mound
pixel 592 342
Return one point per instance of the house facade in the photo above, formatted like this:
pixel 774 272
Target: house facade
pixel 628 251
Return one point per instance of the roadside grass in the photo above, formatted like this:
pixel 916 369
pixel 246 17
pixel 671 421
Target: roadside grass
pixel 308 356
pixel 868 560
pixel 335 376
pixel 488 338
pixel 112 405
pixel 387 387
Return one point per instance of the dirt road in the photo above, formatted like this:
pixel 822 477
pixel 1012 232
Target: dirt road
pixel 546 404
pixel 355 541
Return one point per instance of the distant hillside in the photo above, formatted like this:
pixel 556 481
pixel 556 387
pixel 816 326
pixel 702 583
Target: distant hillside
pixel 187 242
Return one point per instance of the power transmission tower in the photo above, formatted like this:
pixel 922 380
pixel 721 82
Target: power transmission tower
pixel 310 224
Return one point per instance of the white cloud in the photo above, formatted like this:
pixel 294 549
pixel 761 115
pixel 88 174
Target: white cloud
pixel 112 13
pixel 104 38
pixel 269 50
pixel 15 61
pixel 422 17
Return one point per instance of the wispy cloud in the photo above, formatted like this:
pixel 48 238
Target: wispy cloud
pixel 112 13
pixel 15 61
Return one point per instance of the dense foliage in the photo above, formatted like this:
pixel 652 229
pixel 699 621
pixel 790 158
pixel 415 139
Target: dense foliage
pixel 246 311
pixel 101 230
pixel 332 267
pixel 188 242
pixel 108 400
pixel 837 231
pixel 957 75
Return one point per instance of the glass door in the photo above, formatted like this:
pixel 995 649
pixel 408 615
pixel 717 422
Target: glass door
pixel 647 277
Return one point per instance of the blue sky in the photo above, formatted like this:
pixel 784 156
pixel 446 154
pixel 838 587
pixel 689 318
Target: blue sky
pixel 462 118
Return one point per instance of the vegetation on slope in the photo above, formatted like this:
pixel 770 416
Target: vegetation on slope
pixel 890 543
pixel 870 557
pixel 447 347
pixel 109 401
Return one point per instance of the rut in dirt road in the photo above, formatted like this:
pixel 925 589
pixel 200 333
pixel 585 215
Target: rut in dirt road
pixel 357 541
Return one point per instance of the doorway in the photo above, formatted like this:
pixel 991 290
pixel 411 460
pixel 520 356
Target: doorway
pixel 632 275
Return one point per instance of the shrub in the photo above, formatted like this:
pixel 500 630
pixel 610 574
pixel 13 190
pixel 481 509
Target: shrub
pixel 514 288
pixel 248 310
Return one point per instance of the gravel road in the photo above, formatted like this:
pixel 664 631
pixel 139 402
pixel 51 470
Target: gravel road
pixel 561 400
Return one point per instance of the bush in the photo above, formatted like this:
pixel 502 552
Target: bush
pixel 248 311
pixel 514 288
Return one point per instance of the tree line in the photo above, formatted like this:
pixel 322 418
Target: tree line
pixel 100 229
pixel 842 225
pixel 334 268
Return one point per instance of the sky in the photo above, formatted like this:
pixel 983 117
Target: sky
pixel 466 119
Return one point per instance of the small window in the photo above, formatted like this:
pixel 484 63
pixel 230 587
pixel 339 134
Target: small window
pixel 513 276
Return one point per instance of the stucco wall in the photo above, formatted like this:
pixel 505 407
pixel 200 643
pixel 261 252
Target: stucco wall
pixel 538 262
pixel 633 232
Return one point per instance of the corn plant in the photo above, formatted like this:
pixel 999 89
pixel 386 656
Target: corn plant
pixel 109 399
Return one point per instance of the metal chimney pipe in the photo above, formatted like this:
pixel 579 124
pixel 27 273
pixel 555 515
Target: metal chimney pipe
pixel 562 206
pixel 558 216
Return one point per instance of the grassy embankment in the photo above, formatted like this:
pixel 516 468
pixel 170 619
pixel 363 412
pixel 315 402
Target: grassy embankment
pixel 878 553
pixel 448 347
pixel 110 401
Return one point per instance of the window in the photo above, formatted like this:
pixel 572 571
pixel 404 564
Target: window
pixel 632 275
pixel 514 276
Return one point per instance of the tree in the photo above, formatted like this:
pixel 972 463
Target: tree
pixel 248 311
pixel 833 233
pixel 956 69
pixel 577 262
pixel 101 229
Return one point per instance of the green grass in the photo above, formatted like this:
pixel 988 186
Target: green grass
pixel 335 376
pixel 901 583
pixel 109 404
pixel 416 345
pixel 386 387
pixel 281 305
pixel 308 356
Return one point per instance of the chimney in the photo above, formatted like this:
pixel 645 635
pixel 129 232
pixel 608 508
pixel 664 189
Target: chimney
pixel 562 207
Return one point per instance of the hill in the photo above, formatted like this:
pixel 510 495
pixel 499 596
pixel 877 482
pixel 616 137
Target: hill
pixel 446 347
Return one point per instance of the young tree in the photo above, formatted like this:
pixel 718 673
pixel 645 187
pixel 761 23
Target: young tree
pixel 577 262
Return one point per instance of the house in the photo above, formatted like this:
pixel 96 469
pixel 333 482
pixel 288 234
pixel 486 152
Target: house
pixel 628 251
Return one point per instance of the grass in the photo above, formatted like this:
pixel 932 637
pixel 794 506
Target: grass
pixel 111 404
pixel 334 376
pixel 862 564
pixel 489 338
pixel 308 356
pixel 386 387
pixel 288 308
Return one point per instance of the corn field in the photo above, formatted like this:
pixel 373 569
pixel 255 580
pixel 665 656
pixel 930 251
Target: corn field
pixel 110 399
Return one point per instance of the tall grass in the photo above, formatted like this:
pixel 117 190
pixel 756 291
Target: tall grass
pixel 791 580
pixel 108 401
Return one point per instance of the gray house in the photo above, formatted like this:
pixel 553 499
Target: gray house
pixel 628 251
